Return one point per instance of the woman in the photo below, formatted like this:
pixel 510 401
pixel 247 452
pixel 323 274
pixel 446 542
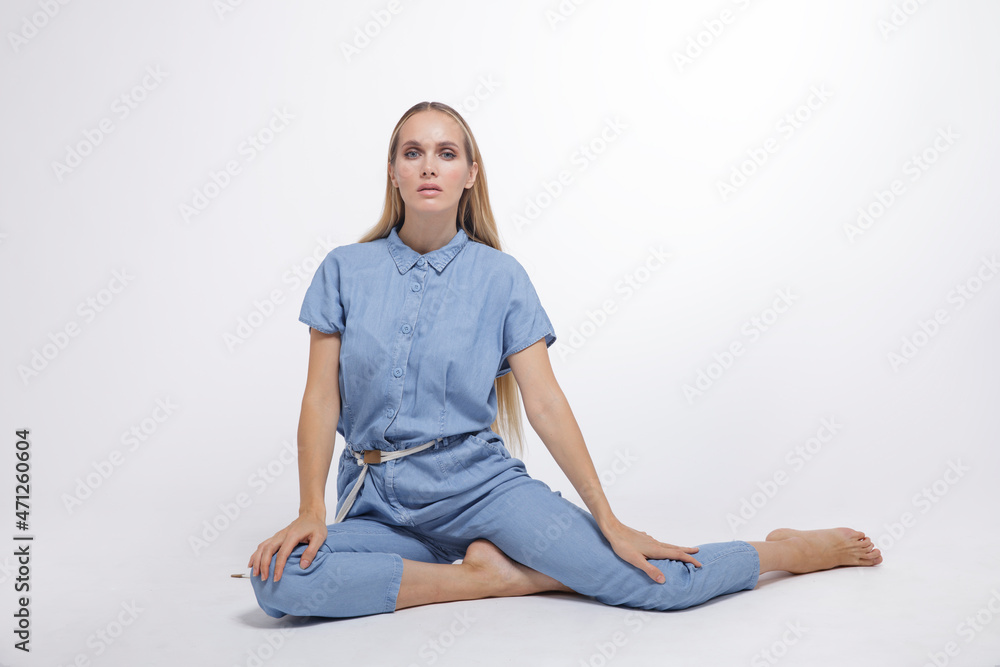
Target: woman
pixel 429 321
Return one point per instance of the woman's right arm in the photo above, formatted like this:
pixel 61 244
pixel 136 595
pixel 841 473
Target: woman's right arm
pixel 316 437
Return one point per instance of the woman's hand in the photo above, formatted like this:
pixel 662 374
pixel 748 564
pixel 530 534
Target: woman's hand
pixel 307 528
pixel 635 547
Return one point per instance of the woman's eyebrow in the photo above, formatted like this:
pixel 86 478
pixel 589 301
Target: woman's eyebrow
pixel 414 142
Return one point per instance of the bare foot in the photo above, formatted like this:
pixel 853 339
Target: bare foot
pixel 814 550
pixel 503 575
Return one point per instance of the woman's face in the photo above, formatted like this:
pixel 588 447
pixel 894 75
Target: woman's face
pixel 430 154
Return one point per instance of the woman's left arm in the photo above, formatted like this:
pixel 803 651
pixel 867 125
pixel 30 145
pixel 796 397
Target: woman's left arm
pixel 552 419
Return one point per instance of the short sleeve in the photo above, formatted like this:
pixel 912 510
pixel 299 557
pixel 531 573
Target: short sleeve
pixel 322 307
pixel 525 321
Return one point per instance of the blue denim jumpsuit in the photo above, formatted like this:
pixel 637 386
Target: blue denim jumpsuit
pixel 422 339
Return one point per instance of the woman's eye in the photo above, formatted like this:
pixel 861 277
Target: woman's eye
pixel 407 153
pixel 448 153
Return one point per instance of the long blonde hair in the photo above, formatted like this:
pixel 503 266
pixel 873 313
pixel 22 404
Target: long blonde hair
pixel 475 217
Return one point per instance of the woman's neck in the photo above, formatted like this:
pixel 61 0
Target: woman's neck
pixel 426 236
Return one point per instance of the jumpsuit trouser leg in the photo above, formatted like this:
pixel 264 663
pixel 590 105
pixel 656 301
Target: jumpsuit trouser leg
pixel 356 572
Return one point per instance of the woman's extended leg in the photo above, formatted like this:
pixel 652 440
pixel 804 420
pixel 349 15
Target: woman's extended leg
pixel 488 572
pixel 538 528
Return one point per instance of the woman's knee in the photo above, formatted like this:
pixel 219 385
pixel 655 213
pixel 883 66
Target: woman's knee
pixel 278 598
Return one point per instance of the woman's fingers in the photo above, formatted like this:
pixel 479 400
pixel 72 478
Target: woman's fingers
pixel 294 538
pixel 291 540
pixel 661 550
pixel 282 543
pixel 682 554
pixel 264 552
pixel 651 570
pixel 279 562
pixel 315 540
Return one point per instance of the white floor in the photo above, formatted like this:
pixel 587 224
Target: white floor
pixel 177 609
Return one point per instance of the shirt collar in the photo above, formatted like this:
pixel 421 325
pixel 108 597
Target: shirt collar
pixel 406 257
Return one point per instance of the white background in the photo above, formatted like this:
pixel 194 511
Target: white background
pixel 537 87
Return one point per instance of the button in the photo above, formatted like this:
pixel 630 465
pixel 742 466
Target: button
pixel 397 372
pixel 421 261
pixel 415 287
pixel 388 412
pixel 407 328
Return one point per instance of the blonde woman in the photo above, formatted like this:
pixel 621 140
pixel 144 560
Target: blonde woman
pixel 422 336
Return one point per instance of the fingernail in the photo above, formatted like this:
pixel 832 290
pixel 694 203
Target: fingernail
pixel 305 563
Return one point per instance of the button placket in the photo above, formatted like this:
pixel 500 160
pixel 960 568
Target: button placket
pixel 411 306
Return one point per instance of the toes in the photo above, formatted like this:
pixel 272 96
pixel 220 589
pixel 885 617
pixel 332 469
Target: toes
pixel 871 561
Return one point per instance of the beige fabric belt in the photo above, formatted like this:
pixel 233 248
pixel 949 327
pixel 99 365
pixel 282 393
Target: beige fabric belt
pixel 374 457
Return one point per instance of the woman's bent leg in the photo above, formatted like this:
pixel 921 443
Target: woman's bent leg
pixel 357 571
